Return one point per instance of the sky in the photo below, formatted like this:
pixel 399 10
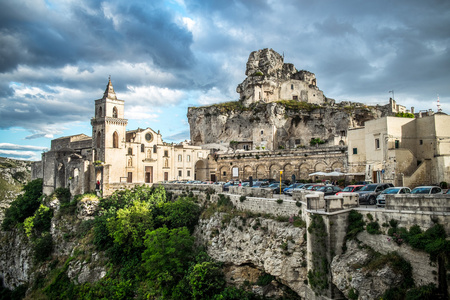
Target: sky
pixel 164 56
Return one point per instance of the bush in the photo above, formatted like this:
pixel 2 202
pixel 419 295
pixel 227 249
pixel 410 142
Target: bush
pixel 206 279
pixel 24 206
pixel 279 201
pixel 62 194
pixel 264 279
pixel 43 247
pixel 242 198
pixel 373 228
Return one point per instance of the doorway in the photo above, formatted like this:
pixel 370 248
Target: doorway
pixel 148 174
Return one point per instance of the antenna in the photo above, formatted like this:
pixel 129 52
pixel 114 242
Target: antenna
pixel 439 109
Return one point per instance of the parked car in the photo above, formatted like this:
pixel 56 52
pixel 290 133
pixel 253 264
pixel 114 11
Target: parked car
pixel 427 190
pixel 275 187
pixel 448 191
pixel 329 190
pixel 292 186
pixel 351 189
pixel 368 193
pixel 226 186
pixel 260 184
pixel 314 187
pixel 301 187
pixel 381 198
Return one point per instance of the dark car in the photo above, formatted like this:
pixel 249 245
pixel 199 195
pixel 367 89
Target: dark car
pixel 275 187
pixel 226 186
pixel 329 190
pixel 260 184
pixel 368 193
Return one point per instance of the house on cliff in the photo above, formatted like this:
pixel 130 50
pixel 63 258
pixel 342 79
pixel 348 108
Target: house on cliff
pixel 113 156
pixel 402 151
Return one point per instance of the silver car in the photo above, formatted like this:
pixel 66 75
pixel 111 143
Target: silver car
pixel 381 198
pixel 426 190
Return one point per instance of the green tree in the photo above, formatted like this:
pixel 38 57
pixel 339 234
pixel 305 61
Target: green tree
pixel 167 256
pixel 206 279
pixel 129 225
pixel 183 212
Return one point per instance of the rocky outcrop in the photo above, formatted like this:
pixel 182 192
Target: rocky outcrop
pixel 271 125
pixel 15 258
pixel 350 275
pixel 13 175
pixel 257 245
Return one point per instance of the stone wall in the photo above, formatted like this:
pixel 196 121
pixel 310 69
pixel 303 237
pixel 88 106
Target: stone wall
pixel 437 202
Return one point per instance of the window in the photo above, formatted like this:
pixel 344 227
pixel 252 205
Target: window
pixel 142 148
pixel 297 141
pixel 114 112
pixel 188 173
pixel 99 112
pixel 355 150
pixel 397 144
pixel 262 132
pixel 166 153
pixel 154 148
pixel 224 173
pixel 99 139
pixel 294 97
pixel 292 86
pixel 180 157
pixel 130 151
pixel 377 143
pixel 180 173
pixel 421 142
pixel 115 140
pixel 188 158
pixel 245 147
pixel 148 137
pixel 343 133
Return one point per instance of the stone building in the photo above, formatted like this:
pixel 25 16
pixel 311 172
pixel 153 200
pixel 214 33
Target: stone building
pixel 114 156
pixel 402 151
pixel 270 79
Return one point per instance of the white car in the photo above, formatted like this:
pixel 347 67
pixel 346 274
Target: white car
pixel 391 191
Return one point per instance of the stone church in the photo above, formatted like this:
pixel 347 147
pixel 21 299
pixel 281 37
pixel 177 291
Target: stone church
pixel 114 157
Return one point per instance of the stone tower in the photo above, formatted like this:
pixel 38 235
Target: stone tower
pixel 109 131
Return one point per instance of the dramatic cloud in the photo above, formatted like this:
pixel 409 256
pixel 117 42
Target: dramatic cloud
pixel 166 55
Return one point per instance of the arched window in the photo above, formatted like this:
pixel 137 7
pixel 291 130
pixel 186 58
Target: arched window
pixel 114 112
pixel 130 151
pixel 142 148
pixel 188 158
pixel 154 148
pixel 99 139
pixel 115 140
pixel 99 111
pixel 180 157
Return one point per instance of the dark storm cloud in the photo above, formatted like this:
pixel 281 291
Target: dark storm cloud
pixel 92 32
pixel 55 57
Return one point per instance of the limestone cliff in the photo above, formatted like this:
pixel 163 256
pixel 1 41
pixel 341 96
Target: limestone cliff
pixel 257 245
pixel 287 124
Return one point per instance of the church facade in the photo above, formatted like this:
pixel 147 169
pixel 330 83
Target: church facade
pixel 114 158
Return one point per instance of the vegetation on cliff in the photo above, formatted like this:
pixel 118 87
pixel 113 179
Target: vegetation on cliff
pixel 146 235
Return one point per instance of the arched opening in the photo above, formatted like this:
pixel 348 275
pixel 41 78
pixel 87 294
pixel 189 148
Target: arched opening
pixel 99 138
pixel 275 172
pixel 200 171
pixel 114 112
pixel 130 151
pixel 115 140
pixel 247 172
pixel 288 172
pixel 260 172
pixel 99 114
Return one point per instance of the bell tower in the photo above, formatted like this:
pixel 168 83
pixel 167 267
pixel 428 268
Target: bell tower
pixel 108 127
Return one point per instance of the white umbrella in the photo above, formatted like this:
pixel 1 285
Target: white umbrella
pixel 335 174
pixel 318 174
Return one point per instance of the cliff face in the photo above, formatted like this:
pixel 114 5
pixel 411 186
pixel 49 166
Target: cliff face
pixel 13 175
pixel 256 245
pixel 285 123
